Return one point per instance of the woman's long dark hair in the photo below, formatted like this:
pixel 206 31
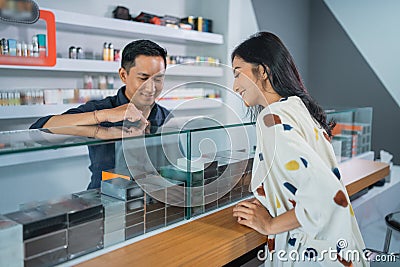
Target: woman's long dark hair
pixel 267 50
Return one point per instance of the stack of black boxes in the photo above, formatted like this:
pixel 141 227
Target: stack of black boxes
pixel 49 233
pixel 54 232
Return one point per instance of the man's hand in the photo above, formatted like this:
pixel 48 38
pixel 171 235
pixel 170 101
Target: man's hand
pixel 125 112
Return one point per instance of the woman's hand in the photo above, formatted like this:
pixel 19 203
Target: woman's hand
pixel 254 215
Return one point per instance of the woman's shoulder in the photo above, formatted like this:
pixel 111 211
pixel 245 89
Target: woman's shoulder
pixel 286 107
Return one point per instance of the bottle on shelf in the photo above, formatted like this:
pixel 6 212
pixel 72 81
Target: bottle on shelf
pixel 35 45
pixel 79 53
pixel 110 82
pixel 88 82
pixel 72 52
pixel 4 47
pixel 29 50
pixel 42 45
pixel 102 82
pixel 110 52
pixel 19 49
pixel 105 52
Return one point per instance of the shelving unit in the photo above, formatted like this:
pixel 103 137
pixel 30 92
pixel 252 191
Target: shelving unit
pixel 130 29
pixel 102 26
pixel 99 66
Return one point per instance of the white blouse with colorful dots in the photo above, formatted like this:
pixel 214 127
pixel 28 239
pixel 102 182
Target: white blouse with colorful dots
pixel 295 168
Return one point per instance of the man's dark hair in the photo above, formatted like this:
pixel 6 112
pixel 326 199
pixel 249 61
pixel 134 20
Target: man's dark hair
pixel 141 47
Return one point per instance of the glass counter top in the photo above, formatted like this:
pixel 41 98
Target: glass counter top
pixel 54 138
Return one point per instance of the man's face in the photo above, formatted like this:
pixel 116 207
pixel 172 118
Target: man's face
pixel 145 80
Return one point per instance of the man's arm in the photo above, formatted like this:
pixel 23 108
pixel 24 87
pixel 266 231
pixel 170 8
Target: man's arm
pixel 87 118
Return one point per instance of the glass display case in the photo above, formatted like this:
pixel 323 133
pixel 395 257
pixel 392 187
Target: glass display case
pixel 352 133
pixel 69 191
pixel 140 179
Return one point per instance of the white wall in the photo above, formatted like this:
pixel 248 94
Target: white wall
pixel 374 29
pixel 289 19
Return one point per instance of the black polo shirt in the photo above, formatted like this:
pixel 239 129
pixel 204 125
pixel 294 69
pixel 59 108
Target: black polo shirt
pixel 102 157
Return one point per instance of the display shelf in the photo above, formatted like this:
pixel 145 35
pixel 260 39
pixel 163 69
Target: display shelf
pixel 130 29
pixel 39 156
pixel 36 111
pixel 32 111
pixel 99 66
pixel 50 59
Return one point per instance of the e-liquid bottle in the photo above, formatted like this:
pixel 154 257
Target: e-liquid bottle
pixel 19 49
pixel 4 46
pixel 87 82
pixel 35 44
pixel 110 52
pixel 110 82
pixel 105 52
pixel 72 52
pixel 30 50
pixel 102 82
pixel 42 44
pixel 79 53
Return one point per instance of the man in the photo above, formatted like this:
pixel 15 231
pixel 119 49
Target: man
pixel 142 71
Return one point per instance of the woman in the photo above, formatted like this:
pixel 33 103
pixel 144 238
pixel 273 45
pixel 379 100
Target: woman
pixel 301 203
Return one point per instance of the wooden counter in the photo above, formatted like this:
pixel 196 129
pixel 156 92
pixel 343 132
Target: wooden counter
pixel 217 239
pixel 358 174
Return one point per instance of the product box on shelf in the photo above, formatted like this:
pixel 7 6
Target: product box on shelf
pixel 352 134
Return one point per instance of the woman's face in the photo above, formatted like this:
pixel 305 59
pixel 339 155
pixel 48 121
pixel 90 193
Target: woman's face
pixel 247 84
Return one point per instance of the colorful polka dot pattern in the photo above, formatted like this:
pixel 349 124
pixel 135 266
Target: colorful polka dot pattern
pixel 260 190
pixel 327 136
pixel 316 133
pixel 336 172
pixel 292 241
pixel 278 203
pixel 340 199
pixel 271 120
pixel 292 165
pixel 271 244
pixel 338 248
pixel 305 162
pixel 290 187
pixel 311 253
pixel 344 262
pixel 287 127
pixel 351 210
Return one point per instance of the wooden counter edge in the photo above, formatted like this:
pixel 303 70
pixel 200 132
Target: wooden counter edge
pixel 379 171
